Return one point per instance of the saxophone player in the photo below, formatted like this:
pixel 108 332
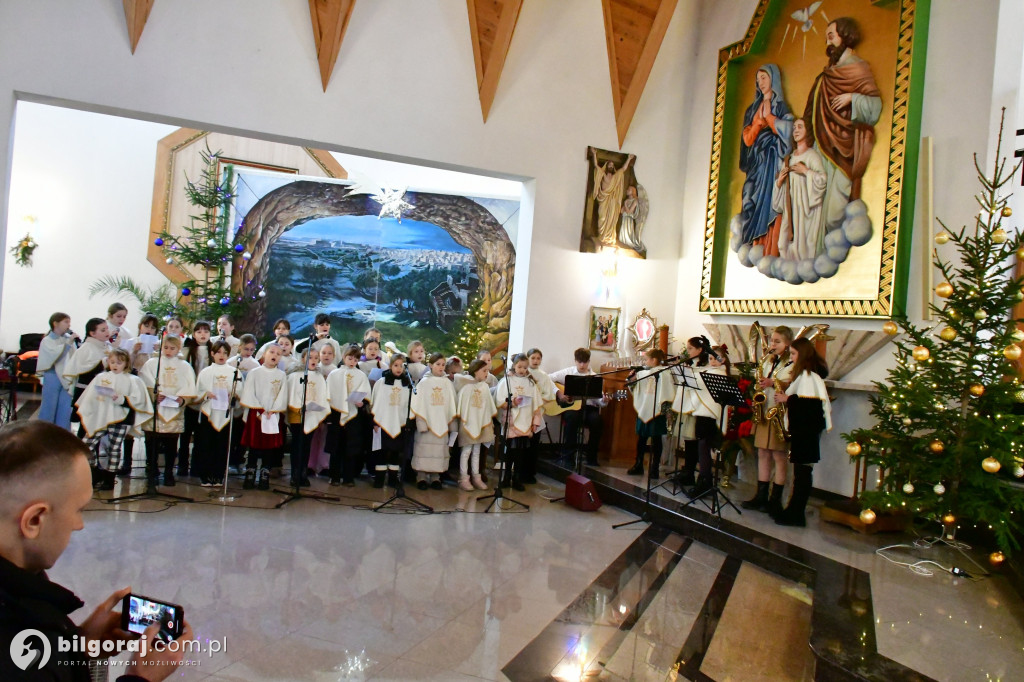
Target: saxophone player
pixel 768 439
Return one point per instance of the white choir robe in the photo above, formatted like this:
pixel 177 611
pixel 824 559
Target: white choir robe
pixel 264 389
pixel 650 394
pixel 476 409
pixel 176 379
pixel 100 411
pixel 213 378
pixel 342 383
pixel 317 399
pixel 390 406
pixel 84 360
pixel 525 419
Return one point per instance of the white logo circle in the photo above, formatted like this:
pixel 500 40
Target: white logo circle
pixel 28 655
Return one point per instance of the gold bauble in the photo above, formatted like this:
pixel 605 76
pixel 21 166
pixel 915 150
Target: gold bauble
pixel 998 235
pixel 1017 335
pixel 1007 211
pixel 853 449
pixel 939 489
pixel 991 465
pixel 1019 395
pixel 921 353
pixel 936 446
pixel 1020 253
pixel 1012 352
pixel 944 290
pixel 977 390
pixel 948 519
pixel 868 516
pixel 941 238
pixel 891 328
pixel 907 421
pixel 908 488
pixel 954 314
pixel 947 334
pixel 996 559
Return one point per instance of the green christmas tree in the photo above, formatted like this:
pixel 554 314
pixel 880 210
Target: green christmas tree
pixel 949 437
pixel 469 334
pixel 205 250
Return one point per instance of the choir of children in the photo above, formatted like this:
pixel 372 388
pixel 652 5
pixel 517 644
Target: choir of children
pixel 354 406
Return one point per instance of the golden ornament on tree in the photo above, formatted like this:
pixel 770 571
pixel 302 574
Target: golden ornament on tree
pixel 1020 253
pixel 996 559
pixel 998 235
pixel 891 328
pixel 936 446
pixel 991 465
pixel 868 516
pixel 977 390
pixel 939 489
pixel 1012 352
pixel 853 449
pixel 944 290
pixel 941 238
pixel 1007 211
pixel 948 519
pixel 1017 335
pixel 980 314
pixel 954 314
pixel 947 334
pixel 921 353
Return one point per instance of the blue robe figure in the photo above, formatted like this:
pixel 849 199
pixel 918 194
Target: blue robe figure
pixel 767 140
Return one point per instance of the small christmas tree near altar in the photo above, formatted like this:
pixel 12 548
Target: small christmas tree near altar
pixel 948 442
pixel 469 332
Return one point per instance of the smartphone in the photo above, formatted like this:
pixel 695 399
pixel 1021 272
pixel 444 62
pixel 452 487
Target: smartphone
pixel 138 613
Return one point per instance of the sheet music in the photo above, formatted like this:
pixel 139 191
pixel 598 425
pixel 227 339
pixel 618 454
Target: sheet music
pixel 220 399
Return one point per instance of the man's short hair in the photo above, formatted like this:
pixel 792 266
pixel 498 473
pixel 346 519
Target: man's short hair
pixel 581 355
pixel 322 318
pixel 36 448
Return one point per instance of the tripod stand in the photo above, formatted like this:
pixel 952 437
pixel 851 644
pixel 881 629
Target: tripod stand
pixel 725 392
pixel 224 496
pixel 298 465
pixel 399 497
pixel 152 455
pixel 498 494
pixel 645 515
pixel 683 377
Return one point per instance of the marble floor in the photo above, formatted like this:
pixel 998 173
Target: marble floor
pixel 946 627
pixel 333 591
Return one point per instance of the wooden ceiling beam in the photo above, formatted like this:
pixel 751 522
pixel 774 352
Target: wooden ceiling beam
pixel 634 30
pixel 330 19
pixel 135 14
pixel 491 25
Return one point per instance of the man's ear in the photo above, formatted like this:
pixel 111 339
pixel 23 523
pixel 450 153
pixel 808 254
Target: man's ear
pixel 32 518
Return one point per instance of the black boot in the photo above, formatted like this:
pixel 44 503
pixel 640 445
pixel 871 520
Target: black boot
pixel 793 514
pixel 264 482
pixel 703 485
pixel 250 479
pixel 687 473
pixel 759 502
pixel 378 478
pixel 775 500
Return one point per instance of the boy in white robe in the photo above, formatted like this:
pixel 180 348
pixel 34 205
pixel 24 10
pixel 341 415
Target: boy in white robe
pixel 217 386
pixel 349 392
pixel 547 394
pixel 391 416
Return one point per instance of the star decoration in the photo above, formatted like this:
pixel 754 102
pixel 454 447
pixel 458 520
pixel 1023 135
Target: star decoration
pixel 391 203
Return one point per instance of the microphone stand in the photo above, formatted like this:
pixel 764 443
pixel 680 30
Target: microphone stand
pixel 152 492
pixel 399 497
pixel 498 495
pixel 645 515
pixel 224 496
pixel 299 467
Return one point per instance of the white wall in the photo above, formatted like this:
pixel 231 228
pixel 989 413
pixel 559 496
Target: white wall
pixel 961 114
pixel 404 88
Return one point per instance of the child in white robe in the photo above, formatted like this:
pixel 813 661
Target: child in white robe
pixel 650 396
pixel 547 394
pixel 417 354
pixel 390 407
pixel 265 397
pixel 476 410
pixel 55 350
pixel 111 405
pixel 319 458
pixel 309 389
pixel 175 385
pixel 434 407
pixel 87 361
pixel 349 391
pixel 517 394
pixel 216 386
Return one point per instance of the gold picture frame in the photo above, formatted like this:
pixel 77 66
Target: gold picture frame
pixel 644 330
pixel 872 284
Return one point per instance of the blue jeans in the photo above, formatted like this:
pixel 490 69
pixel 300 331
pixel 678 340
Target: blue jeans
pixel 56 407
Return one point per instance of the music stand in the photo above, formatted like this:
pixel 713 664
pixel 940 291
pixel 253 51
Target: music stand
pixel 725 392
pixel 683 378
pixel 581 387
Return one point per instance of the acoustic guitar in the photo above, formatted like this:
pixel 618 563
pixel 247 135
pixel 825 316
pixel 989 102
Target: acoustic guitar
pixel 553 408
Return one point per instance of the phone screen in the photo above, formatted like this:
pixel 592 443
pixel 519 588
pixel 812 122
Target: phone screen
pixel 143 612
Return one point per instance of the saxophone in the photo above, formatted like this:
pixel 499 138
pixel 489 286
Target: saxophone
pixel 754 338
pixel 776 415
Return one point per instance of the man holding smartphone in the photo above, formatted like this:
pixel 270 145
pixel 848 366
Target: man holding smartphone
pixel 45 483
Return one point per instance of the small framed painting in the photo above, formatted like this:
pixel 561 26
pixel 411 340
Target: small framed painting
pixel 604 328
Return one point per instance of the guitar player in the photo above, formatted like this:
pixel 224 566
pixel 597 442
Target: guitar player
pixel 591 412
